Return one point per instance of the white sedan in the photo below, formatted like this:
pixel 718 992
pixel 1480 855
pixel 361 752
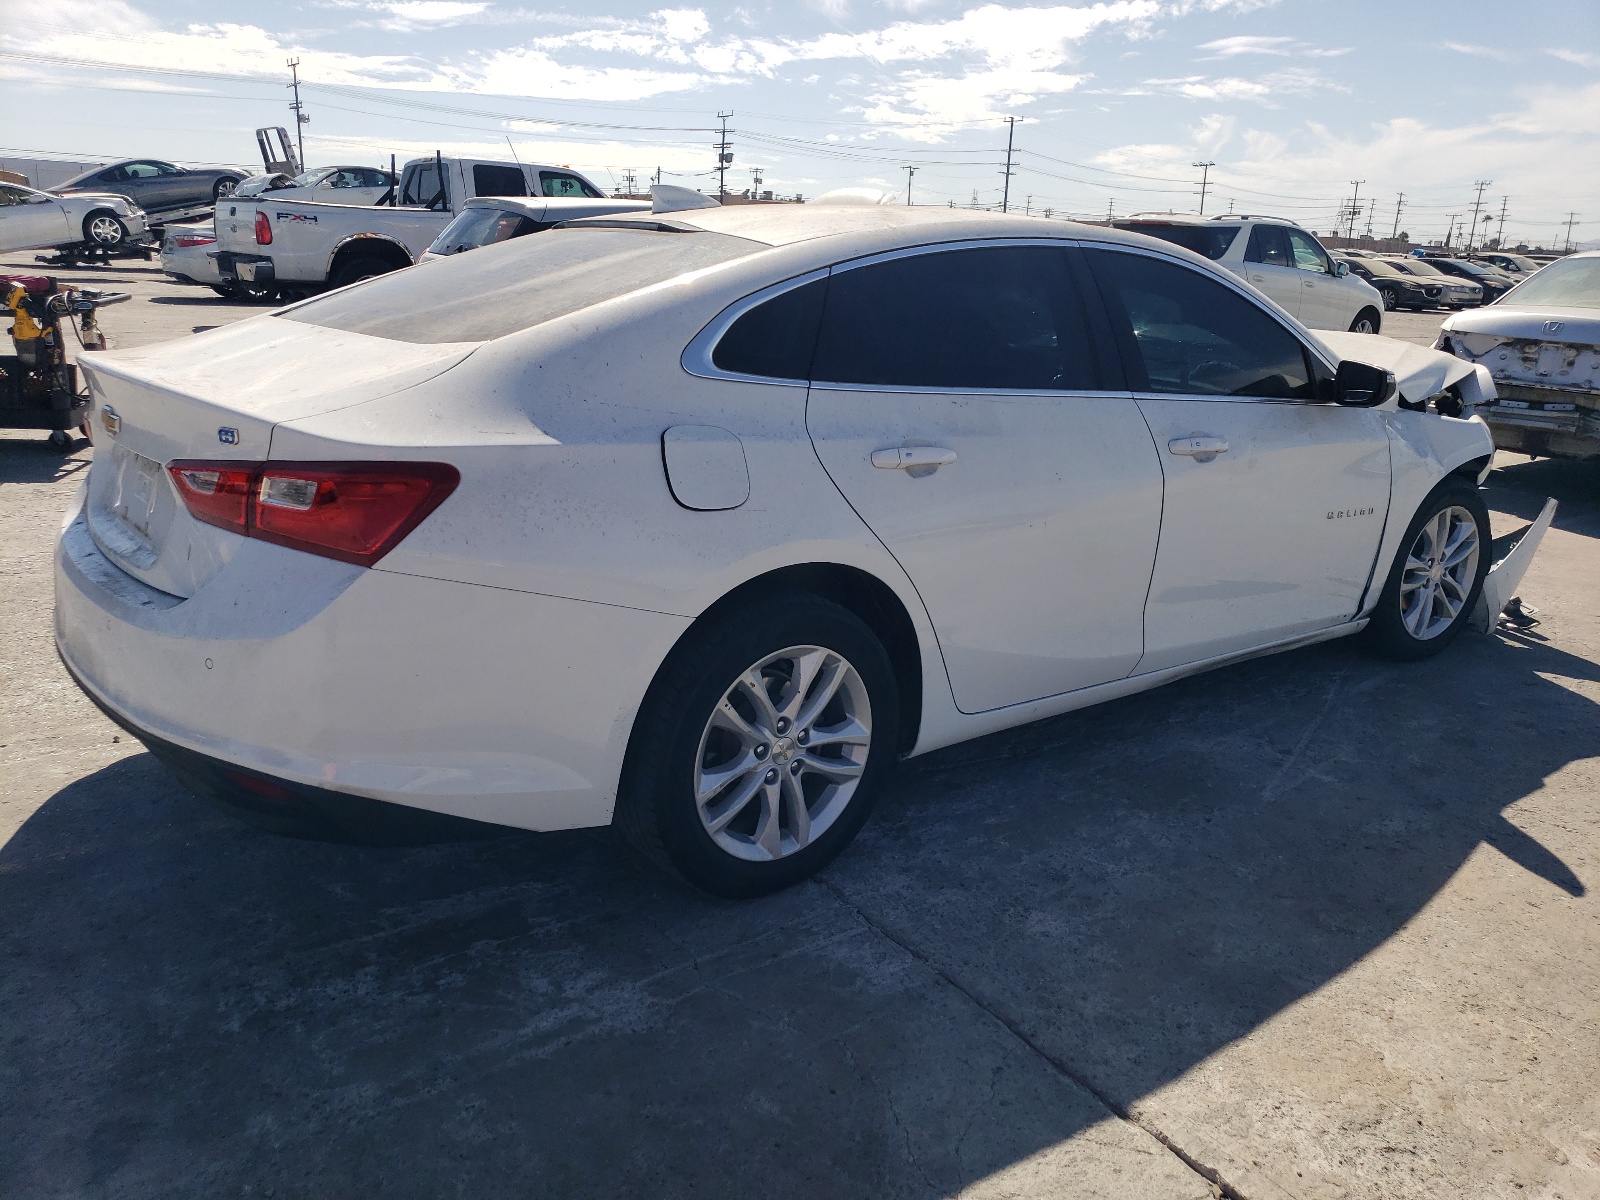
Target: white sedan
pixel 695 522
pixel 35 220
pixel 327 185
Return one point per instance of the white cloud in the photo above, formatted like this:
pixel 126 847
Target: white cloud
pixel 1577 57
pixel 1232 47
pixel 1493 52
pixel 1293 81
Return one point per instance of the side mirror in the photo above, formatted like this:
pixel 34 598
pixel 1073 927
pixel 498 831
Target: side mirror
pixel 41 199
pixel 1361 386
pixel 1341 268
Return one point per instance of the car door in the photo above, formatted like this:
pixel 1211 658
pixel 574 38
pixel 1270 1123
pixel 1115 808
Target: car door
pixel 957 404
pixel 1323 300
pixel 1275 503
pixel 30 220
pixel 1269 266
pixel 142 183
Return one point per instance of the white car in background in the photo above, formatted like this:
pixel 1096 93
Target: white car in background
pixel 1283 261
pixel 35 220
pixel 1541 343
pixel 489 219
pixel 696 521
pixel 328 185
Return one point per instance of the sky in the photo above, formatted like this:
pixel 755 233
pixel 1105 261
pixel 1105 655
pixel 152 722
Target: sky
pixel 1304 106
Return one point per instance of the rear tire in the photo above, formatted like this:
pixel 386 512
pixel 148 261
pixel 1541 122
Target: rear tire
pixel 61 439
pixel 1367 320
pixel 1430 593
pixel 223 187
pixel 358 269
pixel 104 229
pixel 743 792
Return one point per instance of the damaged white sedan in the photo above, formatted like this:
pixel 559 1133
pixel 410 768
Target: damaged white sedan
pixel 695 522
pixel 1541 343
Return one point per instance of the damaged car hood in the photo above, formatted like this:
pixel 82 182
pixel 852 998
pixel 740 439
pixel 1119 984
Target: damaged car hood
pixel 1418 371
pixel 1533 322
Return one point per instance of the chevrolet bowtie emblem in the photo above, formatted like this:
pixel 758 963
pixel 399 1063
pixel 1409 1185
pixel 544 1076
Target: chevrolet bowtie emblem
pixel 109 418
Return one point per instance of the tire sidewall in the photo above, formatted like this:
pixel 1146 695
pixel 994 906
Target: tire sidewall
pixel 675 719
pixel 1386 628
pixel 122 230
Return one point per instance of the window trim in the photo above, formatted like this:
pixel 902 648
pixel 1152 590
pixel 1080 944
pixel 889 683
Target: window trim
pixel 1315 356
pixel 697 355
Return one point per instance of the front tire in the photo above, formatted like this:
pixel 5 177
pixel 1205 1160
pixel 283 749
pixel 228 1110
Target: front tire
pixel 104 229
pixel 1437 575
pixel 1367 321
pixel 761 748
pixel 1390 299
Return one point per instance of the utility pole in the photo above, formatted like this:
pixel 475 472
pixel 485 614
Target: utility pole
pixel 1572 219
pixel 1011 136
pixel 1399 203
pixel 1108 211
pixel 658 175
pixel 300 115
pixel 628 182
pixel 1205 180
pixel 1449 233
pixel 1472 231
pixel 1230 206
pixel 724 156
pixel 1502 225
pixel 755 186
pixel 910 171
pixel 1355 204
pixel 1027 206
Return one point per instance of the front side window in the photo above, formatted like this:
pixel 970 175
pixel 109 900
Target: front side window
pixel 166 169
pixel 490 180
pixel 998 318
pixel 11 195
pixel 555 183
pixel 1188 334
pixel 1308 252
pixel 423 186
pixel 1269 246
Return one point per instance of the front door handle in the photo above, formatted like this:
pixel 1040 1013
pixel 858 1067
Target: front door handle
pixel 898 458
pixel 1198 446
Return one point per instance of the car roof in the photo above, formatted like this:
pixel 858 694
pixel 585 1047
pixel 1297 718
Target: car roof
pixel 898 224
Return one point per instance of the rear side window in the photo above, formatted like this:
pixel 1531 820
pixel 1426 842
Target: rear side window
pixel 1269 246
pixel 483 227
pixel 775 338
pixel 1000 318
pixel 1189 334
pixel 422 186
pixel 502 289
pixel 490 180
pixel 1210 241
pixel 558 183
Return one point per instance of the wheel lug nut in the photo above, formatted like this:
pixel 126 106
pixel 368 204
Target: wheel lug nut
pixel 794 767
pixel 772 775
pixel 803 737
pixel 761 750
pixel 783 724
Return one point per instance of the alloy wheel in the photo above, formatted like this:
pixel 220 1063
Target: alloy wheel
pixel 1440 569
pixel 781 755
pixel 104 230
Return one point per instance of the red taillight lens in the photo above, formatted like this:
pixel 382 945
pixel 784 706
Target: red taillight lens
pixel 354 512
pixel 263 229
pixel 217 493
pixel 194 239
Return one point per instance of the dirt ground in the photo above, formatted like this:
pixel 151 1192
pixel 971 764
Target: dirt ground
pixel 1313 926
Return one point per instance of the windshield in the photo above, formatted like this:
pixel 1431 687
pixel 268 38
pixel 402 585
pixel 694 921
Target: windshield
pixel 1415 266
pixel 1208 240
pixel 482 226
pixel 313 177
pixel 1569 282
pixel 518 284
pixel 1377 267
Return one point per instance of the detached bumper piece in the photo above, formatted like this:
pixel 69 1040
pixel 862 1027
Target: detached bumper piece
pixel 1512 555
pixel 299 810
pixel 245 268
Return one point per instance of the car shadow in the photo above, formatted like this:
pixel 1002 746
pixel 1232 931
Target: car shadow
pixel 28 457
pixel 194 1008
pixel 1521 486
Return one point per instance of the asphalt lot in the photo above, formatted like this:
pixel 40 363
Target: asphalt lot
pixel 1314 926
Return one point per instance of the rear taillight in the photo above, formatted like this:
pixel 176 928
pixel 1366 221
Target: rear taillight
pixel 263 229
pixel 194 239
pixel 354 512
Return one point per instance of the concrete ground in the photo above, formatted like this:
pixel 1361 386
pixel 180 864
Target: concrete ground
pixel 1314 926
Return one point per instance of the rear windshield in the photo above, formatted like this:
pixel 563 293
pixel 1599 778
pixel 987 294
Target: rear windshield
pixel 517 284
pixel 1208 240
pixel 1570 282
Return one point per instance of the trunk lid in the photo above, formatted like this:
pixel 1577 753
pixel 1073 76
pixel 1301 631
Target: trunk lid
pixel 218 396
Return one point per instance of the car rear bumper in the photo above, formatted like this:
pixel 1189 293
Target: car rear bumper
pixel 294 685
pixel 244 268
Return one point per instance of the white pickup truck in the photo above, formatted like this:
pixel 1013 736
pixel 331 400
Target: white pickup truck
pixel 299 245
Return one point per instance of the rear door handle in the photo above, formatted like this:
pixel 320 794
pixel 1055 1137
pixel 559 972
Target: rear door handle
pixel 898 458
pixel 1200 447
